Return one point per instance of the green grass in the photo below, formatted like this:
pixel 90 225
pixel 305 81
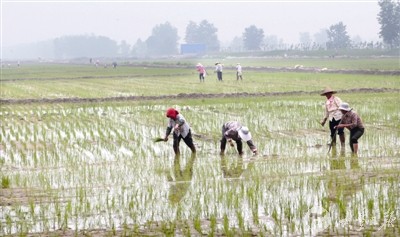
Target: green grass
pixel 70 82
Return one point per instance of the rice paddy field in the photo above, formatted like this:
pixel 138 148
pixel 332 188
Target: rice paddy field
pixel 78 155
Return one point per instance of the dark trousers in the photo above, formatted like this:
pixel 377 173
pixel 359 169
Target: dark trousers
pixel 188 141
pixel 201 76
pixel 332 125
pixel 219 74
pixel 355 134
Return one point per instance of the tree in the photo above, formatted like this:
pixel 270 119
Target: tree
pixel 124 49
pixel 305 40
pixel 163 40
pixel 271 42
pixel 389 19
pixel 253 37
pixel 321 38
pixel 338 38
pixel 236 44
pixel 84 46
pixel 203 33
pixel 139 49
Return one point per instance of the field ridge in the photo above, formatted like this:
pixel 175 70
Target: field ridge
pixel 188 96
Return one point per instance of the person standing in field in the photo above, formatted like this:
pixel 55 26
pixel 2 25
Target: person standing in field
pixel 202 71
pixel 181 130
pixel 233 130
pixel 238 72
pixel 333 114
pixel 353 122
pixel 218 69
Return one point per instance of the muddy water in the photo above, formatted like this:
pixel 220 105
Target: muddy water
pixel 97 167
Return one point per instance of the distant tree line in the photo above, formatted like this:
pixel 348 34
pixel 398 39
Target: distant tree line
pixel 82 46
pixel 164 39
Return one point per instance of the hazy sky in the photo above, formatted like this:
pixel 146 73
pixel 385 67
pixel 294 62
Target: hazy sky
pixel 31 21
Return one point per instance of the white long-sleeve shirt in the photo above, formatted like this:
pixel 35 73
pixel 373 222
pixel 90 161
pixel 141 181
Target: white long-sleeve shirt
pixel 183 125
pixel 332 108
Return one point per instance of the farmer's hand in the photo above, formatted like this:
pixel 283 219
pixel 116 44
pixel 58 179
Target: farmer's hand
pixel 323 121
pixel 231 142
pixel 165 139
pixel 176 128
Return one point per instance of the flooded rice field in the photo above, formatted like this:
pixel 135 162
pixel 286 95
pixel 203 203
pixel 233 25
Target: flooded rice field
pixel 94 169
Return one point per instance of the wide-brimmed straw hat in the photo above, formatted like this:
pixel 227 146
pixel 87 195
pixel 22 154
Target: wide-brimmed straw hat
pixel 328 90
pixel 244 134
pixel 344 106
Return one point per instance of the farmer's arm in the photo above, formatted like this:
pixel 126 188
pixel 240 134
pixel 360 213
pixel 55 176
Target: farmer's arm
pixel 253 147
pixel 350 122
pixel 323 121
pixel 224 139
pixel 223 144
pixel 168 131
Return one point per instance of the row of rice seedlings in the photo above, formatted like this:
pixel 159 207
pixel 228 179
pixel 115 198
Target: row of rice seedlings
pixel 146 155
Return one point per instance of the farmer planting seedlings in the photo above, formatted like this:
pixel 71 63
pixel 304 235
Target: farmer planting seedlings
pixel 353 122
pixel 181 130
pixel 333 114
pixel 235 131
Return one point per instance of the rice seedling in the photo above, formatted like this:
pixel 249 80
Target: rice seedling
pixel 95 165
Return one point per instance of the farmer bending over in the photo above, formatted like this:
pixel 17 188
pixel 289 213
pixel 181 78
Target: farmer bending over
pixel 235 131
pixel 351 121
pixel 181 129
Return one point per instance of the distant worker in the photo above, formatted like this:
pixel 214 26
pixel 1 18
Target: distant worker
pixel 238 72
pixel 353 122
pixel 218 69
pixel 114 65
pixel 235 131
pixel 202 71
pixel 181 130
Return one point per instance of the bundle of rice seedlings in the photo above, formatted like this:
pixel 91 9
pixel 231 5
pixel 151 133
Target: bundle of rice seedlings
pixel 158 139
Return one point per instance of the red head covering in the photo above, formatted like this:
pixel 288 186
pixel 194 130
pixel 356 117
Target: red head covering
pixel 172 113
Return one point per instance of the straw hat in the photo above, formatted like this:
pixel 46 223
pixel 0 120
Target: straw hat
pixel 244 134
pixel 344 106
pixel 328 90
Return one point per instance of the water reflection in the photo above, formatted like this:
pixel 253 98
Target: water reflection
pixel 182 179
pixel 232 170
pixel 338 162
pixel 342 184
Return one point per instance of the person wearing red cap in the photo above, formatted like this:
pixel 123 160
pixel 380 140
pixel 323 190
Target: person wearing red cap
pixel 181 130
